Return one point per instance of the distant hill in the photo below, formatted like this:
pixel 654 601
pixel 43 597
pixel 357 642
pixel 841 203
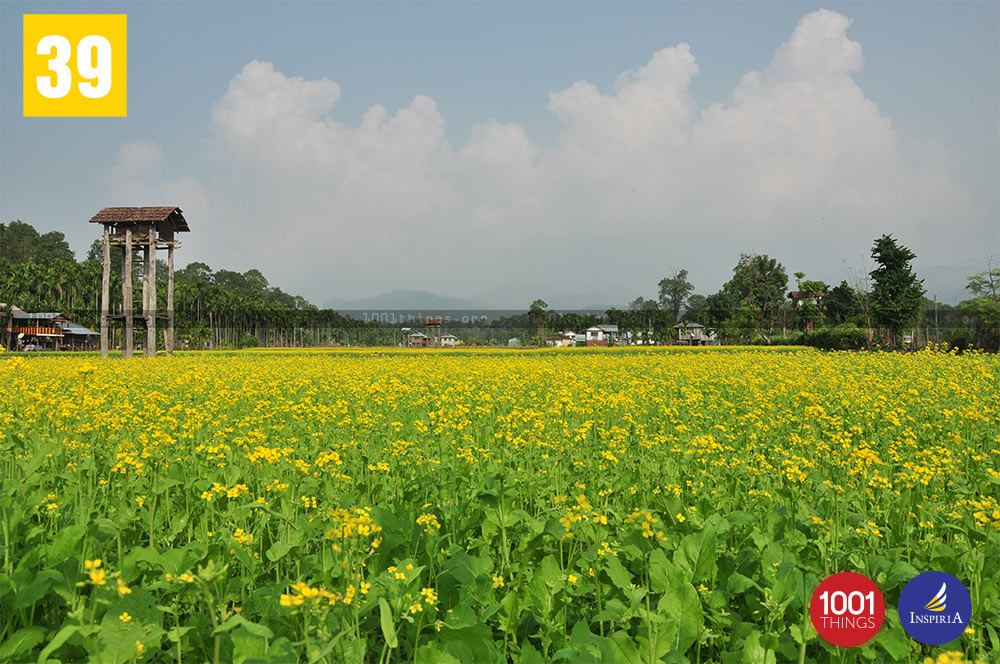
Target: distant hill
pixel 519 295
pixel 423 300
pixel 404 299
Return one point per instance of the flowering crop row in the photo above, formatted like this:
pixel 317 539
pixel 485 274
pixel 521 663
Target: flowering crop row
pixel 621 505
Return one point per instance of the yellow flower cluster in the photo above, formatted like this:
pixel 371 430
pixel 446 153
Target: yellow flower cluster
pixel 50 503
pixel 303 593
pixel 351 522
pixel 217 489
pixel 98 576
pixel 985 510
pixel 242 537
pixel 648 524
pixel 429 522
pixel 581 510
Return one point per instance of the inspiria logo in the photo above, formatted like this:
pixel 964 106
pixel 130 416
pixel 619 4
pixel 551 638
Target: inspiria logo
pixel 937 602
pixel 935 608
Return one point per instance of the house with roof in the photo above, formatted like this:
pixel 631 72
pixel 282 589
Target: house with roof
pixel 695 334
pixel 448 340
pixel 799 297
pixel 602 335
pixel 418 340
pixel 561 339
pixel 45 330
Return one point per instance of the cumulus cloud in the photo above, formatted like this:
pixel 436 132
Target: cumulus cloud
pixel 263 101
pixel 136 164
pixel 140 155
pixel 138 177
pixel 639 179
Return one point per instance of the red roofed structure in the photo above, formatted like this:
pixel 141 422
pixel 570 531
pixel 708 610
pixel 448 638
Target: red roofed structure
pixel 152 228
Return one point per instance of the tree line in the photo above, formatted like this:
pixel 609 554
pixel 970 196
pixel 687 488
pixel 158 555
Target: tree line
pixel 213 309
pixel 224 308
pixel 884 307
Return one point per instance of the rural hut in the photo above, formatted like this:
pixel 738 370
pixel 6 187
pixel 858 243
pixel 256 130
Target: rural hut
pixel 151 228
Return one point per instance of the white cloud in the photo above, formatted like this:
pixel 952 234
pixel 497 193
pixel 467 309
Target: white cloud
pixel 818 51
pixel 138 178
pixel 262 101
pixel 137 163
pixel 140 155
pixel 639 179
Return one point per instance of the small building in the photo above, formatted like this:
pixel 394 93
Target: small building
pixel 695 334
pixel 448 340
pixel 418 340
pixel 78 337
pixel 799 297
pixel 642 338
pixel 513 342
pixel 45 330
pixel 602 335
pixel 561 340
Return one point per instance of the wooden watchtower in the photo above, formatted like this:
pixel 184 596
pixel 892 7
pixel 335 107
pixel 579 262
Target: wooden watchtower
pixel 151 228
pixel 433 325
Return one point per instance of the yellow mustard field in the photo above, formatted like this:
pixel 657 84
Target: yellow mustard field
pixel 571 505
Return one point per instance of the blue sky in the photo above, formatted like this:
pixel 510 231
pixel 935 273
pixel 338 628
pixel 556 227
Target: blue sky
pixel 486 187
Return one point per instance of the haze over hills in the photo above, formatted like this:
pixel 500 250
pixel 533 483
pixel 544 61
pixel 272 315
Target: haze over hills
pixel 403 299
pixel 503 298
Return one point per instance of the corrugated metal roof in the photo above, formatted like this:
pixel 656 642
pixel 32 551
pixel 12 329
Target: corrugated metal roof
pixel 73 328
pixel 135 215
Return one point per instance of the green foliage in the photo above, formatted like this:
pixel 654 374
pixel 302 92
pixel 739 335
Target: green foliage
pixel 983 310
pixel 847 336
pixel 756 294
pixel 248 341
pixel 697 308
pixel 215 309
pixel 896 294
pixel 674 292
pixel 537 314
pixel 21 243
pixel 807 312
pixel 842 337
pixel 538 551
pixel 811 286
pixel 840 304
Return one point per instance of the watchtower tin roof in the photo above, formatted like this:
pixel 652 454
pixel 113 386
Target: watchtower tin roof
pixel 119 216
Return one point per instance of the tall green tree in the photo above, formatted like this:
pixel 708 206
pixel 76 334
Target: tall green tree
pixel 674 292
pixel 758 288
pixel 642 304
pixel 897 293
pixel 696 309
pixel 536 314
pixel 840 304
pixel 21 243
